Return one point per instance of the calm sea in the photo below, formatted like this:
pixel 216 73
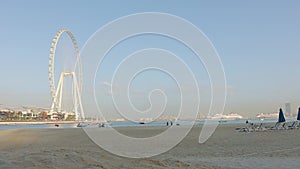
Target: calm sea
pixel 133 124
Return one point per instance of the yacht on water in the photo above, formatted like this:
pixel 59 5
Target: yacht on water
pixel 83 124
pixel 92 124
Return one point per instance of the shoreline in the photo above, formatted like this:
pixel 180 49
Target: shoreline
pixel 220 122
pixel 36 122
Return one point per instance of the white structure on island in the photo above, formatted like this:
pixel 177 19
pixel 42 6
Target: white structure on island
pixel 230 116
pixel 57 91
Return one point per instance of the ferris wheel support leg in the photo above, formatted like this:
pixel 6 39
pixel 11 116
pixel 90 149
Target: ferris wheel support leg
pixel 77 99
pixel 55 106
pixel 62 77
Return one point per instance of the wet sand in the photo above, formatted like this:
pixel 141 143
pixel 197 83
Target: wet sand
pixel 227 148
pixel 36 122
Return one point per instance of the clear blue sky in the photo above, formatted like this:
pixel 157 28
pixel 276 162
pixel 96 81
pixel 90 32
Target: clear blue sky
pixel 258 42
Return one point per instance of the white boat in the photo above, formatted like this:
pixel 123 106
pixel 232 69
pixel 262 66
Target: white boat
pixel 83 124
pixel 92 124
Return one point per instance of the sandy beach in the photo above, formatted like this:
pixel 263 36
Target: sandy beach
pixel 227 148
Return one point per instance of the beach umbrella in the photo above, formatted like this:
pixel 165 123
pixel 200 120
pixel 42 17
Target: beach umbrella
pixel 298 117
pixel 281 116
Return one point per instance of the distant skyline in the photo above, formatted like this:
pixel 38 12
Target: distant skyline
pixel 258 43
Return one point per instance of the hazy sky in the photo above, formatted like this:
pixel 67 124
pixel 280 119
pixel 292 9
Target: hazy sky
pixel 258 43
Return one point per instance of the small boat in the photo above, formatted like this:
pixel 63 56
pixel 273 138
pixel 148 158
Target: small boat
pixel 56 125
pixel 92 124
pixel 82 124
pixel 222 121
pixel 142 122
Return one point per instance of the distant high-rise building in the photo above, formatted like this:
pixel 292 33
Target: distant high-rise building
pixel 288 109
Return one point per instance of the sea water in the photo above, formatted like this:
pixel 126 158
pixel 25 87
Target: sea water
pixel 134 124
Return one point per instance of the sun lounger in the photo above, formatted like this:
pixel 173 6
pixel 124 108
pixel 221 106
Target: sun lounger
pixel 295 124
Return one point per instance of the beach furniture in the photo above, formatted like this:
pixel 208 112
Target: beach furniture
pixel 260 127
pixel 298 118
pixel 249 127
pixel 295 124
pixel 281 121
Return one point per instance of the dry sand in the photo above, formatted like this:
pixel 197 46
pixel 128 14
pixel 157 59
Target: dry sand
pixel 227 148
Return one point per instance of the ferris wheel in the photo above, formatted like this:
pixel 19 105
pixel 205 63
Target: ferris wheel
pixel 76 75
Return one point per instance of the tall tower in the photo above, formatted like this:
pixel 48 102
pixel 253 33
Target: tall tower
pixel 288 109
